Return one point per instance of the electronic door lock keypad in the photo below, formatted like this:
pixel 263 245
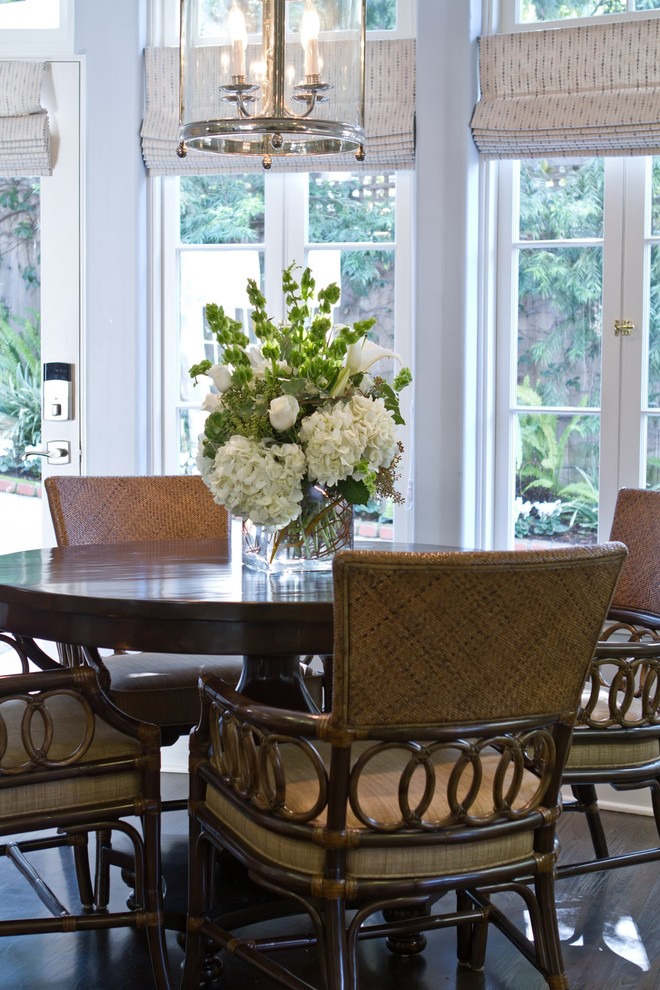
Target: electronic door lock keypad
pixel 58 391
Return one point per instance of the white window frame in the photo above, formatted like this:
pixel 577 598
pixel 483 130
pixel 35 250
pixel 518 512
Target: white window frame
pixel 285 240
pixel 164 22
pixel 509 16
pixel 25 41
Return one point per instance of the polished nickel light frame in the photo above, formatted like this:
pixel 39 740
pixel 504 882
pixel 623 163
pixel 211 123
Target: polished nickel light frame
pixel 288 108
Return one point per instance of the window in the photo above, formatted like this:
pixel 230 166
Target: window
pixel 579 349
pixel 218 230
pixel 535 11
pixel 35 27
pixel 349 228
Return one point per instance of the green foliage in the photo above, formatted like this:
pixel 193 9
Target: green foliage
pixel 222 209
pixel 20 391
pixel 19 222
pixel 20 400
pixel 544 438
pixel 381 15
pixel 560 199
pixel 550 10
pixel 354 209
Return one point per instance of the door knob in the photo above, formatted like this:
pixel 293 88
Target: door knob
pixel 57 452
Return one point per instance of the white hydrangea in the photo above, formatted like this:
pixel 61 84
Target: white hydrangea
pixel 258 481
pixel 339 435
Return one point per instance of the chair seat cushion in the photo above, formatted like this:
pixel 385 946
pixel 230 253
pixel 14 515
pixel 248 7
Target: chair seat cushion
pixel 596 748
pixel 378 795
pixel 163 687
pixel 72 730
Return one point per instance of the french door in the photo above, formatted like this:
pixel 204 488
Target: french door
pixel 41 326
pixel 578 376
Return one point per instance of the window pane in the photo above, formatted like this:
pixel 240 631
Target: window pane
pixel 552 10
pixel 655 198
pixel 560 199
pixel 199 284
pixel 20 328
pixel 556 477
pixel 366 280
pixel 653 393
pixel 559 326
pixel 222 209
pixel 653 452
pixel 191 426
pixel 381 15
pixel 213 17
pixel 29 14
pixel 348 208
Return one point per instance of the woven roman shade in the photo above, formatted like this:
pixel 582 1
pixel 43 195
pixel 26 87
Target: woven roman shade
pixel 24 132
pixel 390 119
pixel 593 90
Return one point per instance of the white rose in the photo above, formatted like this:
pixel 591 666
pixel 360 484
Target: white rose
pixel 211 402
pixel 283 412
pixel 220 375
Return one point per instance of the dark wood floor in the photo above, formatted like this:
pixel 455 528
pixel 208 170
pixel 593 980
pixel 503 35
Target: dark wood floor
pixel 610 929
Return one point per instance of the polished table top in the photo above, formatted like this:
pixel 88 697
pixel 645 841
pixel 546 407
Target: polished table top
pixel 172 596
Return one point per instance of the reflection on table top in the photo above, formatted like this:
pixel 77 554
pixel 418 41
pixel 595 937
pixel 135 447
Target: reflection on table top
pixel 188 596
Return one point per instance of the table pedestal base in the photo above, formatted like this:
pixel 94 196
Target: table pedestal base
pixel 276 681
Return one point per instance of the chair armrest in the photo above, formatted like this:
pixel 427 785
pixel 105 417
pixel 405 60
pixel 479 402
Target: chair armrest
pixel 222 695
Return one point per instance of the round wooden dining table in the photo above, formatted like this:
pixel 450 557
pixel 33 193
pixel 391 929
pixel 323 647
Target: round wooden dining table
pixel 184 596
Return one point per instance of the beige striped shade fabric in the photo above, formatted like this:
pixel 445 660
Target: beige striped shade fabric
pixel 24 131
pixel 389 113
pixel 593 89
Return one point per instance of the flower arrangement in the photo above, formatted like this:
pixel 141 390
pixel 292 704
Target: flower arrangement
pixel 297 410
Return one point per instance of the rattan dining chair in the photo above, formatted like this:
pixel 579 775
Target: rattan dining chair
pixel 153 687
pixel 617 735
pixel 457 678
pixel 71 762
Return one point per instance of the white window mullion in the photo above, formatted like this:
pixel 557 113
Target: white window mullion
pixel 296 198
pixel 506 310
pixel 165 300
pixel 634 307
pixel 613 245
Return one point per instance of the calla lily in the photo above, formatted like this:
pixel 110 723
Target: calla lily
pixel 359 358
pixel 257 360
pixel 361 355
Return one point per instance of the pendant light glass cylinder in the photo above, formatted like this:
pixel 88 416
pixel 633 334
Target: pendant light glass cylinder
pixel 272 78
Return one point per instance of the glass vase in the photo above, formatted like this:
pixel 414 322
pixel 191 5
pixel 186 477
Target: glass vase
pixel 324 526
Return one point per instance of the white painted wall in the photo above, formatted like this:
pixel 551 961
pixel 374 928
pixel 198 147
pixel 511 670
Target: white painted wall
pixel 116 320
pixel 112 38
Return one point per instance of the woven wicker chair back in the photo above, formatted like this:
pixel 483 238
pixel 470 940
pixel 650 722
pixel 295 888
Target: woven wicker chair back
pixel 466 637
pixel 126 509
pixel 637 524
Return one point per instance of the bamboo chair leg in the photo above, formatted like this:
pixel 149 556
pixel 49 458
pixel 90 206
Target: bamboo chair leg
pixel 551 958
pixel 199 873
pixel 339 972
pixel 585 795
pixel 471 939
pixel 83 875
pixel 153 903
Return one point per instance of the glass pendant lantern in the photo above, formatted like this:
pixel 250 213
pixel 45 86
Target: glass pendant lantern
pixel 272 78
